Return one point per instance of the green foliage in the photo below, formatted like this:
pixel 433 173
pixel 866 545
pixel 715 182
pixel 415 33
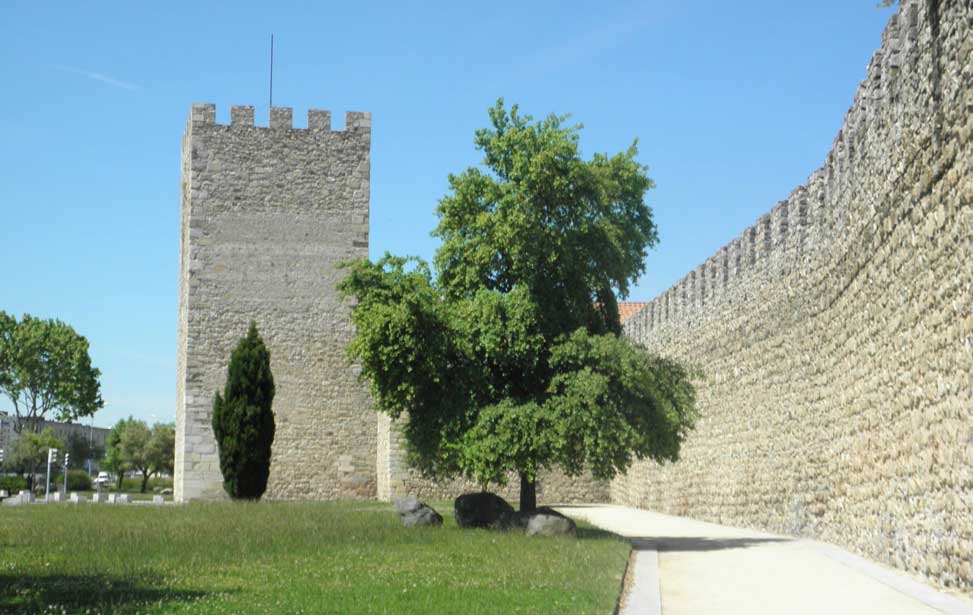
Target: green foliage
pixel 114 460
pixel 29 452
pixel 243 419
pixel 78 480
pixel 13 484
pixel 132 446
pixel 45 370
pixel 155 482
pixel 81 449
pixel 162 448
pixel 510 358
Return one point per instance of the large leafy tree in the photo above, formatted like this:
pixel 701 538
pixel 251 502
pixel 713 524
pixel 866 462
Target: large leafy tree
pixel 162 448
pixel 115 460
pixel 243 419
pixel 510 358
pixel 134 449
pixel 46 372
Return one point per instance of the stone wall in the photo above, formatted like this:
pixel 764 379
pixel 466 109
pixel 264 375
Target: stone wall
pixel 267 213
pixel 836 333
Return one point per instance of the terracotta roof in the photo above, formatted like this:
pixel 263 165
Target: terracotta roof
pixel 627 309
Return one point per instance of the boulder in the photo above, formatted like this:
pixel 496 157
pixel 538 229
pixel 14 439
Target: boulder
pixel 548 522
pixel 520 519
pixel 482 509
pixel 414 513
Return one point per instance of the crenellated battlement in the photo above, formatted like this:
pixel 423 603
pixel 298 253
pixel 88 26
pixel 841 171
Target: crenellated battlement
pixel 281 118
pixel 808 216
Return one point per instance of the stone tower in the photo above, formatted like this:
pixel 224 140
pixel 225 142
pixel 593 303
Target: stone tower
pixel 267 214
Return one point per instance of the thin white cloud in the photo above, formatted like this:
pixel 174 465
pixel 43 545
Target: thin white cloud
pixel 118 83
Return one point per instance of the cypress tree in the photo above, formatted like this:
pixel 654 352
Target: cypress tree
pixel 243 420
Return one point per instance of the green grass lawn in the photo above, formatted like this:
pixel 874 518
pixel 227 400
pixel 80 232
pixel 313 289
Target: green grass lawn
pixel 329 557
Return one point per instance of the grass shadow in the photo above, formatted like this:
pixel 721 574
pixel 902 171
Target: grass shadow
pixel 72 593
pixel 587 532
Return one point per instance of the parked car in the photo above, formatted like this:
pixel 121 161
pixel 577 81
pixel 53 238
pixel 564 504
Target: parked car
pixel 102 479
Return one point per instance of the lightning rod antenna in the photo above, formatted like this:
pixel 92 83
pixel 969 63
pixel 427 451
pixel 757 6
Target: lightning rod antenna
pixel 271 70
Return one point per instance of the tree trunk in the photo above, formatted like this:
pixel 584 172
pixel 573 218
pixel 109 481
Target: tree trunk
pixel 528 494
pixel 121 477
pixel 145 481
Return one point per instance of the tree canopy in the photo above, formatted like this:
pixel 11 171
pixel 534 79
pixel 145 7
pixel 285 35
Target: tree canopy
pixel 510 358
pixel 46 372
pixel 133 446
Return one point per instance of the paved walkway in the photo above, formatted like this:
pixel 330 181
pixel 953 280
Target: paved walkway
pixel 691 567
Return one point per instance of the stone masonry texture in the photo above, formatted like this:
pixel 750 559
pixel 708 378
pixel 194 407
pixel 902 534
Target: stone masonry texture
pixel 267 214
pixel 836 335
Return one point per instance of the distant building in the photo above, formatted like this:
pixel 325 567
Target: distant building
pixel 96 436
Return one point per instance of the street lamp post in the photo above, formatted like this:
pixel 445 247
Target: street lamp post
pixel 66 457
pixel 51 457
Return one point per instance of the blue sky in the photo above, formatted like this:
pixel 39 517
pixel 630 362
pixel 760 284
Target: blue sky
pixel 734 104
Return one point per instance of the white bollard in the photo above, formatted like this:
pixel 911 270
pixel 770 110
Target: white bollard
pixel 122 498
pixel 97 497
pixel 158 499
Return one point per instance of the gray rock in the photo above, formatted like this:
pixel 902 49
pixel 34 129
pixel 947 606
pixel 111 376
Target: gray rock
pixel 520 519
pixel 166 491
pixel 414 513
pixel 482 509
pixel 551 523
pixel 407 504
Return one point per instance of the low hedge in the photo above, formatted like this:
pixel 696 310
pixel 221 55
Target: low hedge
pixel 78 480
pixel 13 484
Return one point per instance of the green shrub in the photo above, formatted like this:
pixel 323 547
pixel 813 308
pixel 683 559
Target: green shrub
pixel 13 484
pixel 243 421
pixel 134 484
pixel 78 480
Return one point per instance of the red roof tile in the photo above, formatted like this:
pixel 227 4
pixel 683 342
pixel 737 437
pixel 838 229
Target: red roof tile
pixel 627 309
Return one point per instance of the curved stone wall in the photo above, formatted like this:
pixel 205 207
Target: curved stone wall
pixel 836 334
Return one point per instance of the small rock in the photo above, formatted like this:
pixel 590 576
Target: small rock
pixel 520 519
pixel 482 509
pixel 414 513
pixel 547 524
pixel 408 504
